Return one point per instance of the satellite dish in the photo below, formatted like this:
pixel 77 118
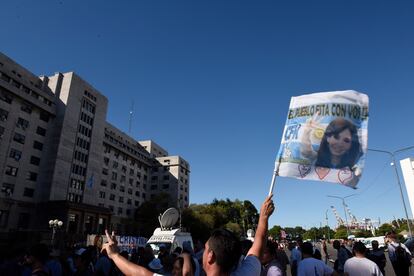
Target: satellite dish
pixel 169 218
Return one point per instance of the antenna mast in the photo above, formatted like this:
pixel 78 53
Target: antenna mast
pixel 131 113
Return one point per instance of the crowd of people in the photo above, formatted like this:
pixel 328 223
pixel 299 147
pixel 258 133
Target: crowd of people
pixel 222 254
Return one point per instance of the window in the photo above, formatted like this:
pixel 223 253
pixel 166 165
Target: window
pixel 34 160
pixel 121 199
pixel 101 194
pixel 105 171
pixel 137 193
pixel 153 187
pixel 12 171
pixel 103 183
pixel 37 145
pixel 136 203
pixel 23 220
pixel 115 165
pixel 44 116
pixel 15 154
pixel 122 188
pixel 130 191
pixel 41 131
pixel 19 138
pixel 106 160
pixel 28 192
pixel 26 108
pixel 7 98
pixel 131 181
pixel 3 115
pixel 119 210
pixel 1 132
pixel 129 201
pixel 113 186
pixel 166 177
pixel 112 197
pixel 7 189
pixel 114 175
pixel 122 178
pixel 165 186
pixel 31 176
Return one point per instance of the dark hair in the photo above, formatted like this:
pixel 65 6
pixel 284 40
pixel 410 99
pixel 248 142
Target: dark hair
pixel 349 158
pixel 336 244
pixel 359 247
pixel 40 252
pixel 271 247
pixel 245 246
pixel 307 248
pixel 226 248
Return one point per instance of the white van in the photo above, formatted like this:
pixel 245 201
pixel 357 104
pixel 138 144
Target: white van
pixel 169 236
pixel 171 239
pixel 380 240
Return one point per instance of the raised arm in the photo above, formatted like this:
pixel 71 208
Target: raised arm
pixel 261 232
pixel 128 268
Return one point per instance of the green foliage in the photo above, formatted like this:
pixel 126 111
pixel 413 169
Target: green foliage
pixel 237 216
pixel 341 233
pixel 275 231
pixel 363 234
pixel 384 228
pixel 146 216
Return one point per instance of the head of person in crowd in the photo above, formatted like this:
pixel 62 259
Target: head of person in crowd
pixel 340 146
pixel 375 245
pixel 269 253
pixel 222 252
pixel 336 244
pixel 155 265
pixel 37 256
pixel 177 269
pixel 307 249
pixel 299 242
pixel 359 249
pixel 245 246
pixel 391 236
pixel 177 251
pixel 82 258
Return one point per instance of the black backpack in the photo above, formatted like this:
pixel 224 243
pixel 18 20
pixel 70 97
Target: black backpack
pixel 403 258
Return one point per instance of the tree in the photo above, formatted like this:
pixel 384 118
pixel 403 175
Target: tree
pixel 341 233
pixel 384 228
pixel 275 231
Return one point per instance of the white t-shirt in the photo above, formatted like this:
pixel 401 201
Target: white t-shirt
pixel 361 267
pixel 314 267
pixel 250 266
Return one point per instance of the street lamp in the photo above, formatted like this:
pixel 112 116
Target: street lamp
pixel 393 163
pixel 344 205
pixel 327 225
pixel 54 224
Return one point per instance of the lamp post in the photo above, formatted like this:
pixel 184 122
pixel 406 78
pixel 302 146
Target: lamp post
pixel 393 163
pixel 327 225
pixel 54 224
pixel 344 205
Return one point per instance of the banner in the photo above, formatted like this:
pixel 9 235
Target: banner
pixel 325 138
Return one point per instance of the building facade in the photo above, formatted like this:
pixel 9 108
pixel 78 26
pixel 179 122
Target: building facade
pixel 60 158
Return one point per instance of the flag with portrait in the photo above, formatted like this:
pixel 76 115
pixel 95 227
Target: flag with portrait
pixel 325 137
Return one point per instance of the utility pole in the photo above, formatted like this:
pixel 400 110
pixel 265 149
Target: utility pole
pixel 393 163
pixel 327 225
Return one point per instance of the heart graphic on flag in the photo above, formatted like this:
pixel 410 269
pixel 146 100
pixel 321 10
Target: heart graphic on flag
pixel 322 172
pixel 304 170
pixel 344 175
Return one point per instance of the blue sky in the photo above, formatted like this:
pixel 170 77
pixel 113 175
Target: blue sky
pixel 212 81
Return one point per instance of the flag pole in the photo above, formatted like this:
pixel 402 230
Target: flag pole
pixel 275 173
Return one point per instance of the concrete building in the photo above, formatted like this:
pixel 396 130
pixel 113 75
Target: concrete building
pixel 60 158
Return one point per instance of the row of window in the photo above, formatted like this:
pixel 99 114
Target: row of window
pixel 24 88
pixel 88 106
pixel 9 189
pixel 83 157
pixel 87 119
pixel 79 170
pixel 90 96
pixel 124 146
pixel 85 131
pixel 12 171
pixel 83 143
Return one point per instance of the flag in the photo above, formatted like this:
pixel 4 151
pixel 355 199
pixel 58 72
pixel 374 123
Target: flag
pixel 90 181
pixel 325 138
